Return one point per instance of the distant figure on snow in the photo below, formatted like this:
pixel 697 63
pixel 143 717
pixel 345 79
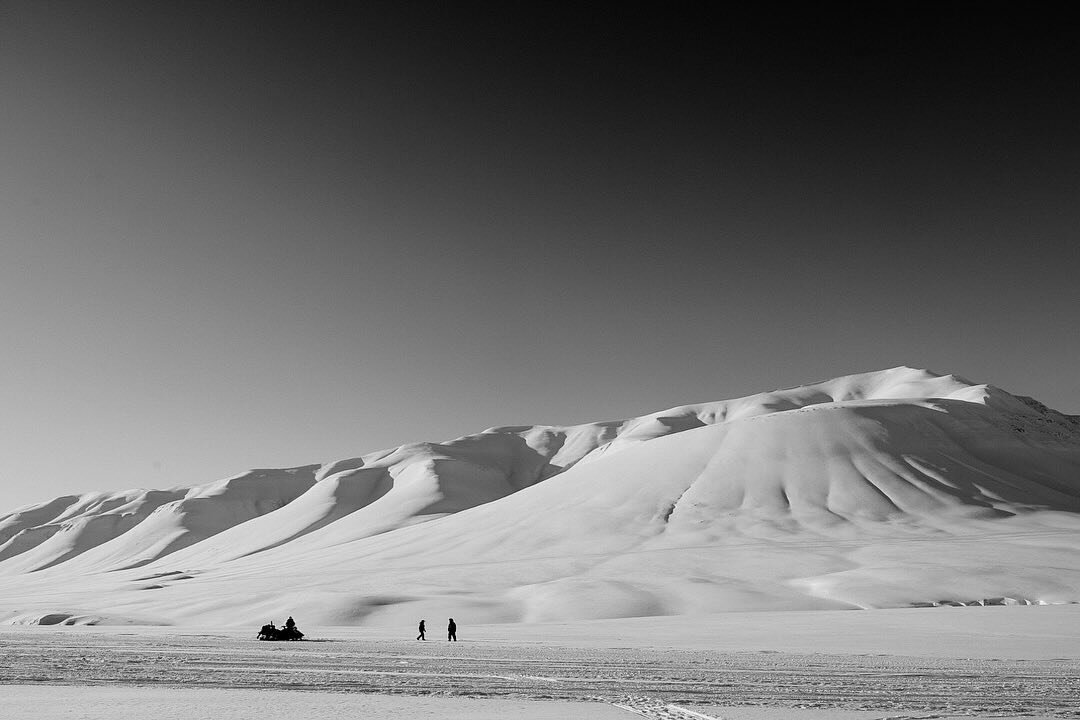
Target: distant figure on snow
pixel 421 635
pixel 451 631
pixel 288 631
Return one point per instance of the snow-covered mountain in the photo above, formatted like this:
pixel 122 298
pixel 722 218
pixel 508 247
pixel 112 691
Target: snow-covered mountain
pixel 892 488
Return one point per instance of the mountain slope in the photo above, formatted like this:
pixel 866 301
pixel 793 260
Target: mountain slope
pixel 880 489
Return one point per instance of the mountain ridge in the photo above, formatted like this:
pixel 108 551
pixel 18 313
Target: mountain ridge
pixel 892 456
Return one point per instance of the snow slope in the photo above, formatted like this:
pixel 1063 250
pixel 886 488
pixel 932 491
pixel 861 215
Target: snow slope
pixel 882 489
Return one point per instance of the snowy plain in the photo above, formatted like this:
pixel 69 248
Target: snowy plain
pixel 981 662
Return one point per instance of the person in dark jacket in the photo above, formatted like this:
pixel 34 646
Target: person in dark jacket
pixel 421 635
pixel 451 631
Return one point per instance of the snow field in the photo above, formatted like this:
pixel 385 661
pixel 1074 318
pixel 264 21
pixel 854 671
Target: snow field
pixel 1006 662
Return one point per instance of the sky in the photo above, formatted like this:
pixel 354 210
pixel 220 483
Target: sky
pixel 257 235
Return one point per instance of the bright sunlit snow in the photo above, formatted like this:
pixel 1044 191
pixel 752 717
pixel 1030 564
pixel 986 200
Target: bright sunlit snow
pixel 896 488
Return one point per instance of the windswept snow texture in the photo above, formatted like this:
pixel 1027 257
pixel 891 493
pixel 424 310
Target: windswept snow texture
pixel 887 489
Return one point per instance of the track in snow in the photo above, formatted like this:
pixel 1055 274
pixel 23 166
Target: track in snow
pixel 659 710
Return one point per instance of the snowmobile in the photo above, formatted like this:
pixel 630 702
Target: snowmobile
pixel 269 632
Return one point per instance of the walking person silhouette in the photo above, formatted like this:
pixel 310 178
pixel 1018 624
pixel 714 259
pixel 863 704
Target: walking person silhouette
pixel 451 631
pixel 421 635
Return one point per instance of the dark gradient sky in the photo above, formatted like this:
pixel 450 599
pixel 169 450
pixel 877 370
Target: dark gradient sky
pixel 258 236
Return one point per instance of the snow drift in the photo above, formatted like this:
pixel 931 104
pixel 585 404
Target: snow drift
pixel 884 489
